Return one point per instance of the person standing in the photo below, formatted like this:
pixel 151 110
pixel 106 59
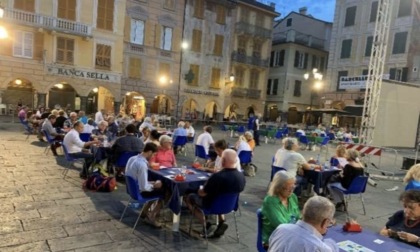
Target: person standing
pixel 256 128
pixel 307 234
pixel 99 116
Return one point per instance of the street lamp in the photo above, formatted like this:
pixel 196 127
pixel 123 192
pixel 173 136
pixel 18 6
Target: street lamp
pixel 316 86
pixel 184 46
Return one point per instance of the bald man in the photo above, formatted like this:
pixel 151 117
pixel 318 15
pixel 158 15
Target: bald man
pixel 228 180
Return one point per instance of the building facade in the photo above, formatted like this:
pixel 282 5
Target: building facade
pixel 63 53
pixel 250 58
pixel 300 44
pixel 351 44
pixel 152 51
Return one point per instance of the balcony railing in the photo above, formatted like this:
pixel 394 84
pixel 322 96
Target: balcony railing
pixel 47 22
pixel 251 60
pixel 134 48
pixel 299 38
pixel 253 30
pixel 246 93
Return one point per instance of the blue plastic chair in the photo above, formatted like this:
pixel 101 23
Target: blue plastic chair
pixel 413 185
pixel 285 131
pixel 357 186
pixel 331 136
pixel 279 135
pixel 85 137
pixel 132 187
pixel 260 246
pixel 245 157
pixel 222 204
pixel 324 144
pixel 26 126
pixel 298 134
pixel 241 129
pixel 180 141
pixel 304 140
pixel 275 169
pixel 50 141
pixel 124 157
pixel 70 160
pixel 200 152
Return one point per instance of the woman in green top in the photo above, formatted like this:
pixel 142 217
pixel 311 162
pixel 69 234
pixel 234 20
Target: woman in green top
pixel 280 205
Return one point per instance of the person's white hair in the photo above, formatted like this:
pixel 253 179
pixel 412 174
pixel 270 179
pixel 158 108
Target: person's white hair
pixel 164 138
pixel 279 181
pixel 181 124
pixel 73 114
pixel 103 122
pixel 317 209
pixel 288 142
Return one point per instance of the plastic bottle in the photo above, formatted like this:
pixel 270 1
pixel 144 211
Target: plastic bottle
pixel 293 219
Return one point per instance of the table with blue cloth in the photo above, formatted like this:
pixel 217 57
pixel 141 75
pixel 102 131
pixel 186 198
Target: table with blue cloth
pixel 320 178
pixel 178 188
pixel 368 240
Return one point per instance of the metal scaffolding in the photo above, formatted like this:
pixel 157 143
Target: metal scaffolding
pixel 376 70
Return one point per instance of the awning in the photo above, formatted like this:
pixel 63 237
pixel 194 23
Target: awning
pixel 356 110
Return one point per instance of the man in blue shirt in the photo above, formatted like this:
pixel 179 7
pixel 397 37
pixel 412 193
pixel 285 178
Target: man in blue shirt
pixel 307 234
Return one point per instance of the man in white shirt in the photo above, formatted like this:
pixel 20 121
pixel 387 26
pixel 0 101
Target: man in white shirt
pixel 205 139
pixel 307 234
pixel 137 168
pixel 99 116
pixel 190 131
pixel 76 147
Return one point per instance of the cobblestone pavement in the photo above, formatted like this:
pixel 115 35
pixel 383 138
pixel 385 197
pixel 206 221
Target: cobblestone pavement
pixel 42 211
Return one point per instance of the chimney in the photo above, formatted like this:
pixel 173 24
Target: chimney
pixel 303 10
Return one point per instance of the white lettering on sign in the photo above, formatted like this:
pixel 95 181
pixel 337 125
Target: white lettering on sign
pixel 204 92
pixel 356 82
pixel 85 74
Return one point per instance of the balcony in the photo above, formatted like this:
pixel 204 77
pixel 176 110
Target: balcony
pixel 47 22
pixel 134 48
pixel 252 30
pixel 299 38
pixel 250 60
pixel 246 93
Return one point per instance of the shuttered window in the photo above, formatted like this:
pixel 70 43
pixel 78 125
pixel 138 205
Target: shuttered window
pixel 39 46
pixel 137 32
pixel 164 70
pixel 23 44
pixel 400 40
pixel 66 9
pixel 297 91
pixel 215 77
pixel 196 40
pixel 105 15
pixel 368 49
pixel 65 50
pixel 404 9
pixel 241 45
pixel 199 9
pixel 350 16
pixel 373 11
pixel 134 68
pixel 218 45
pixel 220 14
pixel 256 49
pixel 25 5
pixel 254 78
pixel 103 57
pixel 196 71
pixel 239 77
pixel 346 49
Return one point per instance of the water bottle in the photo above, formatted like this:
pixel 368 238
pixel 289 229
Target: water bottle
pixel 105 141
pixel 293 219
pixel 326 165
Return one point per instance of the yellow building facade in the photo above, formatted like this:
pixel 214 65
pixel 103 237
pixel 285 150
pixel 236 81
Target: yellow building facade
pixel 65 53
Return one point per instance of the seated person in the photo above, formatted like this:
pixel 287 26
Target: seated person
pixel 339 134
pixel 77 148
pixel 348 135
pixel 412 178
pixel 146 123
pixel 127 143
pixel 279 154
pixel 307 234
pixel 165 155
pixel 319 130
pixel 68 124
pixel 404 225
pixel 145 134
pixel 59 122
pixel 101 132
pixel 280 205
pixel 137 168
pixel 242 145
pixel 190 131
pixel 89 126
pixel 206 140
pixel 112 126
pixel 82 117
pixel 228 180
pixel 341 156
pixel 293 162
pixel 48 127
pixel 219 147
pixel 250 139
pixel 301 130
pixel 154 138
pixel 180 131
pixel 353 169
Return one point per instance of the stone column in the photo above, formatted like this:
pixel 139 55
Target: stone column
pixel 42 99
pixel 117 105
pixel 83 103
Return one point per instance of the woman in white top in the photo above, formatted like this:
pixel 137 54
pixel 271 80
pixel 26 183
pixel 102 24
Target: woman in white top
pixel 242 145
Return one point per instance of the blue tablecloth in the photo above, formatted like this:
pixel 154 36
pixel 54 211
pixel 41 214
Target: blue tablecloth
pixel 319 178
pixel 366 238
pixel 179 188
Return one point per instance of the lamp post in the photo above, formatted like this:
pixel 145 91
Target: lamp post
pixel 184 46
pixel 316 86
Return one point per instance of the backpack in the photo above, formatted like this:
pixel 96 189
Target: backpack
pixel 249 169
pixel 97 182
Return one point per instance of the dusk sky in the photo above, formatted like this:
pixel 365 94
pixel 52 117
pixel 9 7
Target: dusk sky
pixel 320 9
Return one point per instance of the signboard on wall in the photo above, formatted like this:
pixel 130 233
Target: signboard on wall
pixel 84 74
pixel 356 82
